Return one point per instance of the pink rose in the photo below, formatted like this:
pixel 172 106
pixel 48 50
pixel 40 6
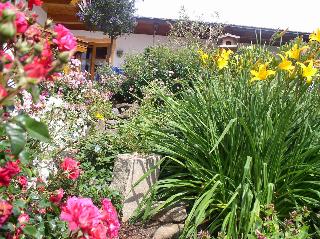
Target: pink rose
pixel 6 5
pixel 33 34
pixel 34 2
pixel 110 218
pixel 98 232
pixel 6 173
pixel 80 213
pixel 23 218
pixel 21 22
pixel 71 167
pixel 5 211
pixel 7 59
pixel 3 91
pixel 57 196
pixel 64 39
pixel 36 69
pixel 23 181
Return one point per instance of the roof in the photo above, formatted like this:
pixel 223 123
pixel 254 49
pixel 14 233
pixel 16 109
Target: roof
pixel 65 12
pixel 247 34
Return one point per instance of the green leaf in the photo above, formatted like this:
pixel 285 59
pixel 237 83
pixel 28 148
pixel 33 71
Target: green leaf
pixel 35 92
pixel 36 129
pixel 24 157
pixel 19 203
pixel 30 230
pixel 17 136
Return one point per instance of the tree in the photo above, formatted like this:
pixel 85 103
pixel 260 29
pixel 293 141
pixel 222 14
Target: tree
pixel 113 17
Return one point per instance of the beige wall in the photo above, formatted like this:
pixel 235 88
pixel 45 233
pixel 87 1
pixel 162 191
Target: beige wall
pixel 133 44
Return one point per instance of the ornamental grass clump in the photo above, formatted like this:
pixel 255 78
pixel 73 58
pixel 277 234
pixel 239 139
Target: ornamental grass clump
pixel 244 137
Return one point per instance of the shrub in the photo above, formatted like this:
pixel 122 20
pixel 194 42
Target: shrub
pixel 244 136
pixel 170 67
pixel 96 155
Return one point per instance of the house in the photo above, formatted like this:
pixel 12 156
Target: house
pixel 92 46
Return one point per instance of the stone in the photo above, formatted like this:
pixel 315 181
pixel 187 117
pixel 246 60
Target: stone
pixel 100 125
pixel 112 122
pixel 115 111
pixel 174 214
pixel 168 231
pixel 123 106
pixel 128 169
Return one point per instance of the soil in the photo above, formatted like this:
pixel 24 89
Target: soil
pixel 137 231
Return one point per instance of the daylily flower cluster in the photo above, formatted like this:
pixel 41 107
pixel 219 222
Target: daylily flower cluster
pixel 296 60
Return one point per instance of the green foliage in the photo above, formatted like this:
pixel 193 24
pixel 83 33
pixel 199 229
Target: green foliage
pixel 96 155
pixel 109 79
pixel 19 126
pixel 133 134
pixel 112 17
pixel 172 68
pixel 232 147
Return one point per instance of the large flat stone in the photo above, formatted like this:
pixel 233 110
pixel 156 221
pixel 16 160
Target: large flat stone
pixel 169 231
pixel 174 214
pixel 128 169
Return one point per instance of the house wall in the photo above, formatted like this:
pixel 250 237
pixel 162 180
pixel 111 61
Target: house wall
pixel 133 44
pixel 128 44
pixel 42 15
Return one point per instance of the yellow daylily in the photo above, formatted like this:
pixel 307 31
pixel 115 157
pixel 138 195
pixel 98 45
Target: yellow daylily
pixel 225 54
pixel 294 52
pixel 308 71
pixel 222 63
pixel 99 116
pixel 315 36
pixel 203 56
pixel 223 58
pixel 285 64
pixel 262 74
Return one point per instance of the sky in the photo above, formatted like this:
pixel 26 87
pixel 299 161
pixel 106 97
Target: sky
pixel 297 15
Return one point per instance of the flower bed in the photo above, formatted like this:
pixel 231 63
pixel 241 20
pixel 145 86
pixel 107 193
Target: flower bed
pixel 33 203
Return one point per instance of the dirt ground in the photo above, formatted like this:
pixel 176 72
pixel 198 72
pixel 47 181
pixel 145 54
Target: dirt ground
pixel 137 231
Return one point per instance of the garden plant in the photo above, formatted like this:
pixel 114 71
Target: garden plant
pixel 34 204
pixel 241 144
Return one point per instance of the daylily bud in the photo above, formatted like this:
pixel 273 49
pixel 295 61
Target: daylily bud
pixel 64 57
pixel 8 15
pixel 7 30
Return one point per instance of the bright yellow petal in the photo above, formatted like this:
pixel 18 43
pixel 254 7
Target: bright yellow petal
pixel 309 80
pixel 270 72
pixel 254 73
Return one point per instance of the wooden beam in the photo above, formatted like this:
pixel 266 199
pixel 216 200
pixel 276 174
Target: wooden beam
pixel 61 8
pixel 96 41
pixel 79 26
pixel 57 1
pixel 93 61
pixel 113 49
pixel 63 18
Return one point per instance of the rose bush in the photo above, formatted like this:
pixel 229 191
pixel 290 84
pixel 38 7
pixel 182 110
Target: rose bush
pixel 32 206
